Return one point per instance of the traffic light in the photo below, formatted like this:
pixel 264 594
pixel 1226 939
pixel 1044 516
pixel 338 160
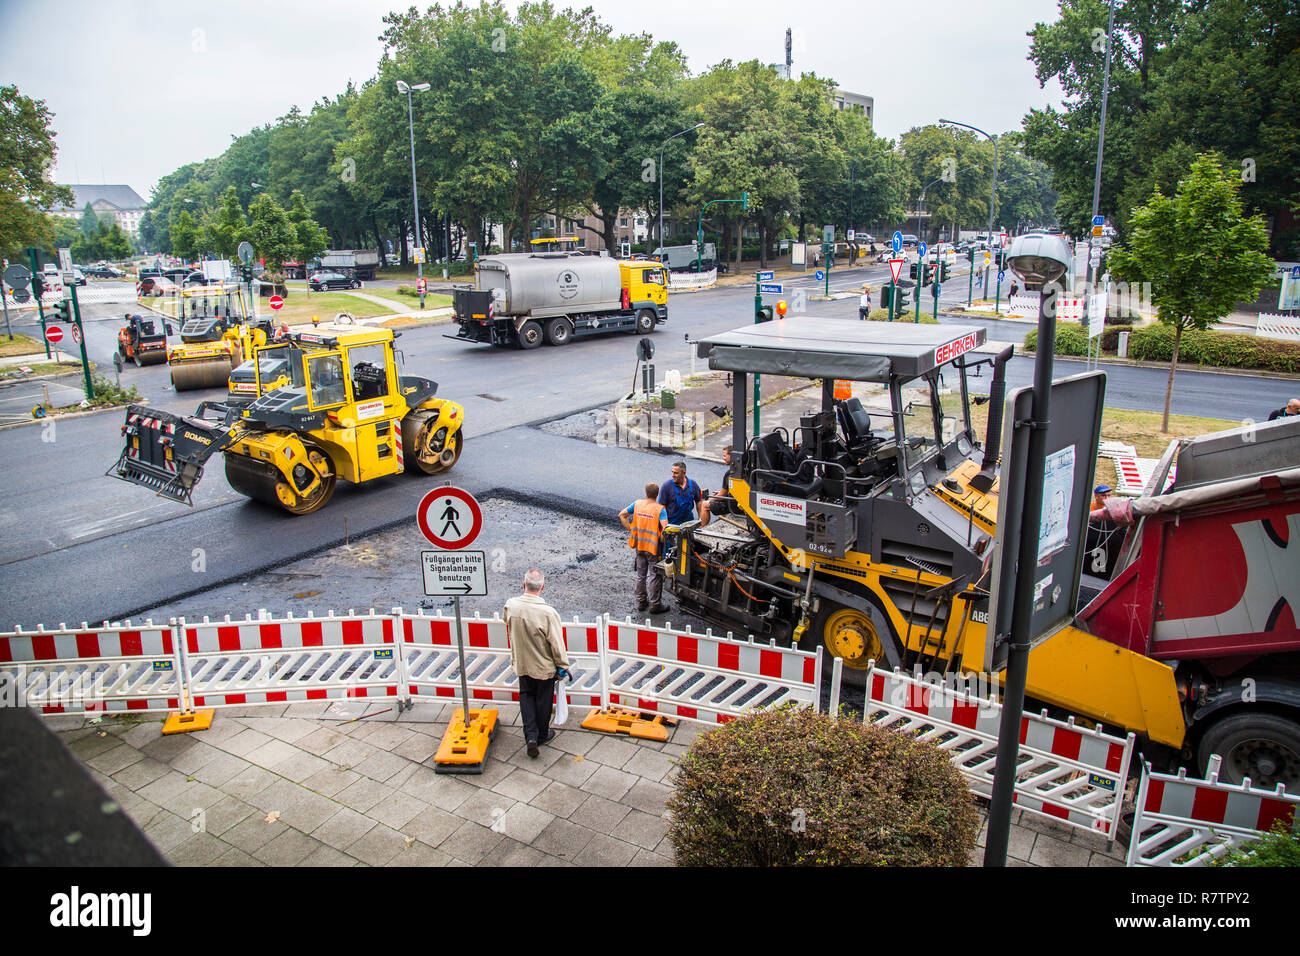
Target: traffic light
pixel 943 272
pixel 911 270
pixel 38 284
pixel 764 314
pixel 63 311
pixel 886 295
pixel 902 298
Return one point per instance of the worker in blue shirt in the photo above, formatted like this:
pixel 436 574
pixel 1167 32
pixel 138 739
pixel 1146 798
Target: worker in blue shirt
pixel 682 497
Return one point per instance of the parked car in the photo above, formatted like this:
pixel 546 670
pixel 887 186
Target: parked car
pixel 78 277
pixel 909 240
pixel 155 285
pixel 320 281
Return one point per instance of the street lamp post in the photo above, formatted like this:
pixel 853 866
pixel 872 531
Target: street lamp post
pixel 660 173
pixel 403 87
pixel 993 194
pixel 1096 181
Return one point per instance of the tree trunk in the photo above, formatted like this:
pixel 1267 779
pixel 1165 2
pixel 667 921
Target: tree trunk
pixel 762 243
pixel 1169 389
pixel 740 242
pixel 401 235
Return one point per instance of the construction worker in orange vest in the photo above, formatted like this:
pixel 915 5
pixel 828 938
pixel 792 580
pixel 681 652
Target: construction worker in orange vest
pixel 645 519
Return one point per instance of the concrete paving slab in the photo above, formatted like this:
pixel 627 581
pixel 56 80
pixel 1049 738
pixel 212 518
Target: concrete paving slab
pixel 378 846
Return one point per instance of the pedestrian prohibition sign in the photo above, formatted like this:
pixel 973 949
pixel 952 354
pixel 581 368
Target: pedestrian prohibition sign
pixel 450 518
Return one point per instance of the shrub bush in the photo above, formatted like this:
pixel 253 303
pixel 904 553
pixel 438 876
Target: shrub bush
pixel 882 315
pixel 1222 349
pixel 1071 339
pixel 789 787
pixel 1278 847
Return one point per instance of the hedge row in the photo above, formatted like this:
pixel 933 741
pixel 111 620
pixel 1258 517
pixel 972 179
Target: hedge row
pixel 1155 343
pixel 882 315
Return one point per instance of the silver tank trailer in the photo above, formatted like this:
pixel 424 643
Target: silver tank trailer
pixel 549 284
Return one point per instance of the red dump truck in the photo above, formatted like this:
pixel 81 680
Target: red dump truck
pixel 1208 582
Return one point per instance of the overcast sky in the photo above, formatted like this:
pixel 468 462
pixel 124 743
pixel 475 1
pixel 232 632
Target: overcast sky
pixel 140 88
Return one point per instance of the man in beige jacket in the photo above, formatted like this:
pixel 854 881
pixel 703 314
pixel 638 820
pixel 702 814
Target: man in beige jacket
pixel 538 655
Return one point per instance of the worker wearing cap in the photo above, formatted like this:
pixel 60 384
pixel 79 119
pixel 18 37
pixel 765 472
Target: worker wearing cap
pixel 1099 496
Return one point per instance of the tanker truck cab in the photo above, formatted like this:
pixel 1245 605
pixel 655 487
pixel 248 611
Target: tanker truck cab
pixel 523 300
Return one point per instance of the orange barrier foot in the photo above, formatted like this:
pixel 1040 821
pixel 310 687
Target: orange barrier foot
pixel 464 749
pixel 615 720
pixel 187 723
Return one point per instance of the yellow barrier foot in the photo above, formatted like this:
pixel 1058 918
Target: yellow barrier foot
pixel 187 723
pixel 630 722
pixel 464 749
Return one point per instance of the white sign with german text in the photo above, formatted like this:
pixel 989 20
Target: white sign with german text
pixel 454 573
pixel 777 508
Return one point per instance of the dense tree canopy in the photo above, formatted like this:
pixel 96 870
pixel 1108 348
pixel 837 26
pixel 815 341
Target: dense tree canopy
pixel 26 160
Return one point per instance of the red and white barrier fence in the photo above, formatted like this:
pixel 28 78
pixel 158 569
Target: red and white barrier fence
pixel 703 678
pixel 1064 772
pixel 1181 821
pixel 268 660
pixel 107 669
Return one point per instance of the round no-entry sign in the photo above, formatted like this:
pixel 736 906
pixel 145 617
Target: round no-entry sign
pixel 450 518
pixel 276 302
pixel 54 333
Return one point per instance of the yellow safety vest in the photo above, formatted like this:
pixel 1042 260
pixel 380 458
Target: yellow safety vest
pixel 645 526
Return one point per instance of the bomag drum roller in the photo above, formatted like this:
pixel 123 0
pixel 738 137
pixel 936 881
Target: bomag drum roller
pixel 347 413
pixel 217 335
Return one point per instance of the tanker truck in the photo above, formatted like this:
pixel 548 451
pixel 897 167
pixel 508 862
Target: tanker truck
pixel 523 299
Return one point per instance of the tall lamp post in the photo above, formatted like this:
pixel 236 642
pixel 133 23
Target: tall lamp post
pixel 1096 181
pixel 403 87
pixel 660 173
pixel 993 194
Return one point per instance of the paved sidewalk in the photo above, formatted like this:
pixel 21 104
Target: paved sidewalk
pixel 306 785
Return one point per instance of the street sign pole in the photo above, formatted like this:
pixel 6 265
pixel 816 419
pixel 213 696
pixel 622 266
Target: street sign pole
pixel 1013 696
pixel 997 302
pixel 40 309
pixel 81 335
pixel 758 308
pixel 4 297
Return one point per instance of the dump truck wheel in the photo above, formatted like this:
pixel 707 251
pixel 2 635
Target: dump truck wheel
pixel 530 335
pixel 1262 746
pixel 849 634
pixel 645 322
pixel 559 331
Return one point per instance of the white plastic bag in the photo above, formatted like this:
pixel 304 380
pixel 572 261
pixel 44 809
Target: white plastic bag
pixel 561 704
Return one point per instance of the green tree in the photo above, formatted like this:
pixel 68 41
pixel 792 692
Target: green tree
pixel 117 244
pixel 309 239
pixel 1198 251
pixel 88 222
pixel 270 232
pixel 184 235
pixel 1186 77
pixel 224 225
pixel 26 158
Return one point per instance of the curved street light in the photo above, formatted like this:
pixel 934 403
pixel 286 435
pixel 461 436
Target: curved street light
pixel 993 194
pixel 403 87
pixel 660 173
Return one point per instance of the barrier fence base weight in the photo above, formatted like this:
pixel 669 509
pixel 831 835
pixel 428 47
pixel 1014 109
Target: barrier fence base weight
pixel 181 723
pixel 465 749
pixel 616 720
